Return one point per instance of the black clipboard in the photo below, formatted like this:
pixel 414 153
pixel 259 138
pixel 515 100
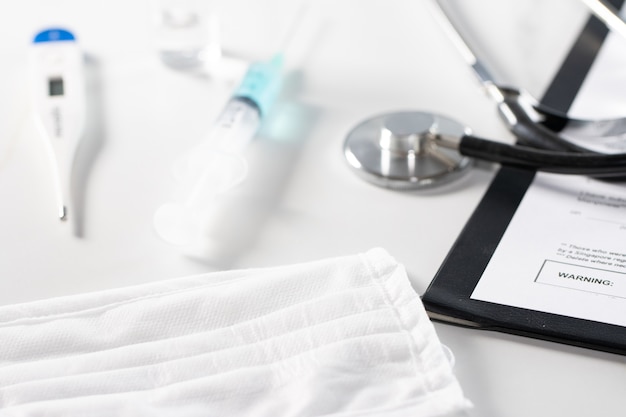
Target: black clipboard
pixel 447 299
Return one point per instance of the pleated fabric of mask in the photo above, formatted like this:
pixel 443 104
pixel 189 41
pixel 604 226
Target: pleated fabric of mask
pixel 345 336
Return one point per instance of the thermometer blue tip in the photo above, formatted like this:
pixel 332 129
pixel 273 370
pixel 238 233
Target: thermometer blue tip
pixel 54 35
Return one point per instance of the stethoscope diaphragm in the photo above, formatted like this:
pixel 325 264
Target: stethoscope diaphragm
pixel 398 150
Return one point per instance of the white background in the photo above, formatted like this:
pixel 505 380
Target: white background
pixel 361 57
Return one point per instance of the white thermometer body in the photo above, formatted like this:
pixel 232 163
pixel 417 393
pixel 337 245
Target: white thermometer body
pixel 59 103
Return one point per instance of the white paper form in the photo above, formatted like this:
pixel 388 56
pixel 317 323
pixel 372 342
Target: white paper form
pixel 564 251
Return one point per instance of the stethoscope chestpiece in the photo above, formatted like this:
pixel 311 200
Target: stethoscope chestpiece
pixel 400 150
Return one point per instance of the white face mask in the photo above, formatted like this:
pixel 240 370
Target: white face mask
pixel 345 336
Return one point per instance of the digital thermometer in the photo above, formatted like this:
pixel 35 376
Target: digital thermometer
pixel 58 92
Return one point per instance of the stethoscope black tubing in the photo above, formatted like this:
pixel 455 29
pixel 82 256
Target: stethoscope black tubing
pixel 578 163
pixel 530 133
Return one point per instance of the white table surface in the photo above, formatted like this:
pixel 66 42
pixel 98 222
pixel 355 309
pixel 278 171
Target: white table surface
pixel 301 202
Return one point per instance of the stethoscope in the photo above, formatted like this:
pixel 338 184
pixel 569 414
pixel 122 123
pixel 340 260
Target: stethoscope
pixel 413 150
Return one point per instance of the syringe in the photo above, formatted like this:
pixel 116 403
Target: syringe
pixel 217 165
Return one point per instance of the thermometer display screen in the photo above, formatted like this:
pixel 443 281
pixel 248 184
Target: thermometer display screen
pixel 55 86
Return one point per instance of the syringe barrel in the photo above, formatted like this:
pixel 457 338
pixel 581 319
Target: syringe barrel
pixel 217 164
pixel 235 126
